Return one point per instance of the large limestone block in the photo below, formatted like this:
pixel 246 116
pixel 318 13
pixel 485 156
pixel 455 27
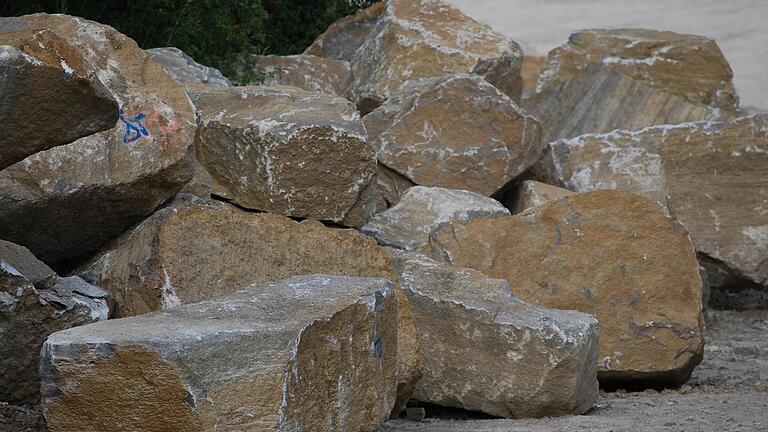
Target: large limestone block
pixel 198 250
pixel 185 69
pixel 612 254
pixel 420 39
pixel 712 176
pixel 485 350
pixel 422 209
pixel 531 193
pixel 603 80
pixel 308 353
pixel 307 72
pixel 287 151
pixel 49 95
pixel 342 39
pixel 27 316
pixel 456 132
pixel 67 201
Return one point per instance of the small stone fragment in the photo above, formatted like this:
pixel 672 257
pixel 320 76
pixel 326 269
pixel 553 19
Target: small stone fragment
pixel 287 151
pixel 307 72
pixel 535 194
pixel 390 186
pixel 307 353
pixel 456 132
pixel 49 95
pixel 184 69
pixel 612 254
pixel 27 264
pixel 416 414
pixel 485 350
pixel 422 209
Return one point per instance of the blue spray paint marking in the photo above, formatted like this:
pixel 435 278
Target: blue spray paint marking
pixel 133 127
pixel 377 346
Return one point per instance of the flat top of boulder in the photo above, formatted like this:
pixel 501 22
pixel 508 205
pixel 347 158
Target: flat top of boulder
pixel 184 69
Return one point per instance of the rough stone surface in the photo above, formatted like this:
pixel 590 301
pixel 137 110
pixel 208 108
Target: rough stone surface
pixel 21 419
pixel 307 72
pixel 531 194
pixel 390 186
pixel 712 176
pixel 457 132
pixel 287 151
pixel 308 353
pixel 28 316
pixel 67 201
pixel 422 209
pixel 27 264
pixel 485 350
pixel 603 80
pixel 193 251
pixel 532 67
pixel 50 95
pixel 185 69
pixel 613 254
pixel 421 39
pixel 344 37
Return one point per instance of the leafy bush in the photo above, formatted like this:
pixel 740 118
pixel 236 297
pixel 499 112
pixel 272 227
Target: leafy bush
pixel 218 33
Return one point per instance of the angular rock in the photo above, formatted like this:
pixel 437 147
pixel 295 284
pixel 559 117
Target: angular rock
pixel 308 353
pixel 20 258
pixel 485 350
pixel 307 72
pixel 197 250
pixel 67 201
pixel 28 316
pixel 49 96
pixel 603 80
pixel 456 132
pixel 284 150
pixel 535 194
pixel 422 209
pixel 712 176
pixel 344 37
pixel 185 69
pixel 390 185
pixel 612 254
pixel 530 72
pixel 413 40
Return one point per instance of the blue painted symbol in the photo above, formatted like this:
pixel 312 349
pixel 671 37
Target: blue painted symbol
pixel 133 127
pixel 377 346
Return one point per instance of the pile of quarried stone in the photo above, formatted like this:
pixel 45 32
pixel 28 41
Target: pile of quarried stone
pixel 385 219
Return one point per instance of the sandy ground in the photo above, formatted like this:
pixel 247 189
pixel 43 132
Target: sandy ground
pixel 727 392
pixel 739 26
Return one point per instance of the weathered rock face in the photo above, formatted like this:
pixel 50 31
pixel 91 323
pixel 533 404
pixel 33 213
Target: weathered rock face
pixel 21 259
pixel 193 251
pixel 413 40
pixel 422 209
pixel 67 201
pixel 287 151
pixel 456 132
pixel 307 72
pixel 49 96
pixel 185 69
pixel 342 39
pixel 530 72
pixel 390 186
pixel 535 194
pixel 28 316
pixel 613 254
pixel 308 353
pixel 713 177
pixel 485 350
pixel 603 80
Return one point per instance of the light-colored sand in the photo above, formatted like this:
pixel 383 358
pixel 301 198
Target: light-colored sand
pixel 739 26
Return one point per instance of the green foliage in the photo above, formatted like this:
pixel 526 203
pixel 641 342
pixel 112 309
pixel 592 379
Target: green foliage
pixel 218 33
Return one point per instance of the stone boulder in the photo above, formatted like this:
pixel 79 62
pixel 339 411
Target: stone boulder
pixel 456 132
pixel 287 151
pixel 390 186
pixel 712 176
pixel 65 202
pixel 28 315
pixel 196 250
pixel 20 258
pixel 603 80
pixel 344 37
pixel 422 209
pixel 529 194
pixel 413 40
pixel 185 69
pixel 307 72
pixel 50 95
pixel 308 353
pixel 612 254
pixel 485 350
pixel 530 72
